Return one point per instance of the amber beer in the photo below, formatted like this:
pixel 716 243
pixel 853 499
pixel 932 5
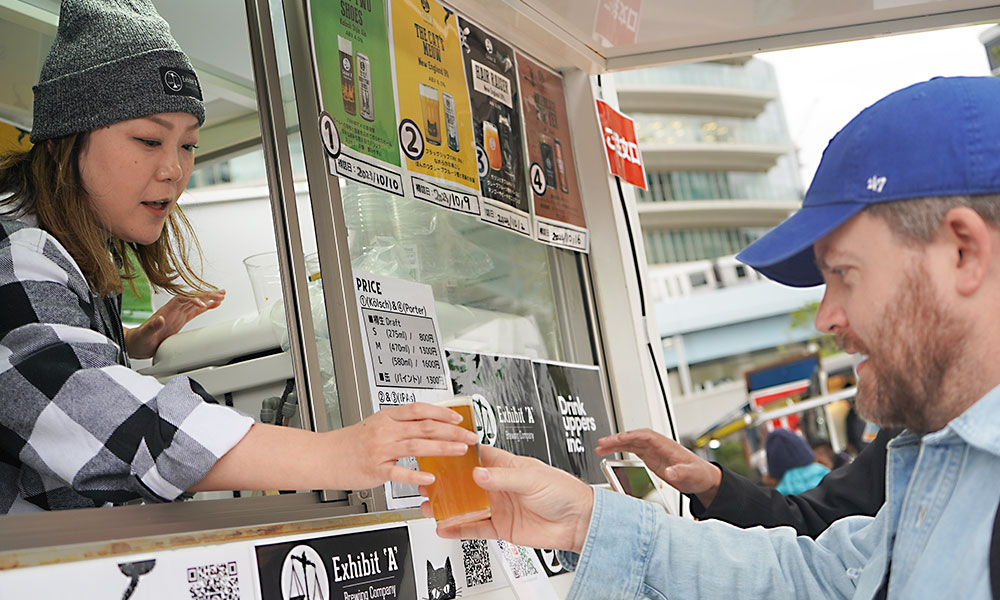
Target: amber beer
pixel 455 497
pixel 430 105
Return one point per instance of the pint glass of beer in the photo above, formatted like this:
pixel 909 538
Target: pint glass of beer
pixel 430 105
pixel 455 497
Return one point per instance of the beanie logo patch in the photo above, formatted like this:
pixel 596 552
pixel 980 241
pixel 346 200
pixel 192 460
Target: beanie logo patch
pixel 180 82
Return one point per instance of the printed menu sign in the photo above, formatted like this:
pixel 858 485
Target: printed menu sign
pixel 350 41
pixel 403 354
pixel 575 416
pixel 435 127
pixel 504 393
pixel 492 78
pixel 552 172
pixel 353 566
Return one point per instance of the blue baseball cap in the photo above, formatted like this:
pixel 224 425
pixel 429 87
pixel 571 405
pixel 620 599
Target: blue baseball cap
pixel 936 138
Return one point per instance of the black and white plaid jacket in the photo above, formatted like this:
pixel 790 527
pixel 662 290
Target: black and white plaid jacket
pixel 78 428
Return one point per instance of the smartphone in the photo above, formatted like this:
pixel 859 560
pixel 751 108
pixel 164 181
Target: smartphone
pixel 631 477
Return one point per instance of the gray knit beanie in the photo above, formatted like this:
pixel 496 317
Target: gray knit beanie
pixel 112 60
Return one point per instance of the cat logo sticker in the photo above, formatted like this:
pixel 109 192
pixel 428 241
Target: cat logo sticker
pixel 486 420
pixel 303 575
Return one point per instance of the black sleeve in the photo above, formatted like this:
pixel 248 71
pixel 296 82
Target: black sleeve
pixel 857 488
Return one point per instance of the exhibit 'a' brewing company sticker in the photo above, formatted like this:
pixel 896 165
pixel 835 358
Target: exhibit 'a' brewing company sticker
pixel 366 565
pixel 351 60
pixel 504 393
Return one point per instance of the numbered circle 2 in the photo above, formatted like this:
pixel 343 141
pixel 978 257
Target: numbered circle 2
pixel 328 132
pixel 482 163
pixel 537 178
pixel 411 139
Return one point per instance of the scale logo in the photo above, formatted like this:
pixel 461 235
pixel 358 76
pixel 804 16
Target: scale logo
pixel 303 575
pixel 173 81
pixel 486 420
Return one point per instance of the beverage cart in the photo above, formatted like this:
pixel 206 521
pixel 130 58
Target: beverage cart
pixel 435 196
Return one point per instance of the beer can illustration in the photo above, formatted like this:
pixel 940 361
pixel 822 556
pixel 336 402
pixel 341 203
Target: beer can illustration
pixel 561 168
pixel 548 161
pixel 450 121
pixel 491 143
pixel 347 89
pixel 365 87
pixel 430 105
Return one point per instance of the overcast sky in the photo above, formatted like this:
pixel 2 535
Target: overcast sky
pixel 823 87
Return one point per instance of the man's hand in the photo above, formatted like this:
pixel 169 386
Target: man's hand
pixel 673 463
pixel 531 503
pixel 142 341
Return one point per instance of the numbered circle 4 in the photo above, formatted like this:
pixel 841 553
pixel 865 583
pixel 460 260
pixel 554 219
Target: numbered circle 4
pixel 411 139
pixel 537 178
pixel 328 132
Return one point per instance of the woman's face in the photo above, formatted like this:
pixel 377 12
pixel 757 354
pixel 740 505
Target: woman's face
pixel 134 171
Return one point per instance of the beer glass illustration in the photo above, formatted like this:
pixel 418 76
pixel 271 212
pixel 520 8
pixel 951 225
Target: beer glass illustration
pixel 347 89
pixel 506 147
pixel 455 497
pixel 561 168
pixel 548 161
pixel 365 87
pixel 430 105
pixel 491 143
pixel 450 121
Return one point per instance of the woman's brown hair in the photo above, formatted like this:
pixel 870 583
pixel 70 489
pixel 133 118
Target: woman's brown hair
pixel 46 182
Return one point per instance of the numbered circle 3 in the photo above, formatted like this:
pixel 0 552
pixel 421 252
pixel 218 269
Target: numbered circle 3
pixel 482 162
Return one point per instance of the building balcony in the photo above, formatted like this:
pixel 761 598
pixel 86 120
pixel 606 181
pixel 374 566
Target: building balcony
pixel 693 100
pixel 712 156
pixel 687 214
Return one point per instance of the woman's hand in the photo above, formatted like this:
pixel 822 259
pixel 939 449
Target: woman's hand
pixel 369 449
pixel 674 464
pixel 142 341
pixel 531 503
pixel 352 458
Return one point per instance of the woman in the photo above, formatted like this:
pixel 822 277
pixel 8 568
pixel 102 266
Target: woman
pixel 116 118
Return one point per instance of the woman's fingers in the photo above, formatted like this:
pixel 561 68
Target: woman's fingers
pixel 416 411
pixel 417 447
pixel 404 475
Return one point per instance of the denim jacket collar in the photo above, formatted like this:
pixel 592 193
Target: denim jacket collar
pixel 978 426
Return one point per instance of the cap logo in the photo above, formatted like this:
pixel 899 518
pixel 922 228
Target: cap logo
pixel 180 82
pixel 876 183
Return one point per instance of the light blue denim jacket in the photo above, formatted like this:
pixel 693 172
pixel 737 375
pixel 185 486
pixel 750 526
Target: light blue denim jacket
pixel 936 525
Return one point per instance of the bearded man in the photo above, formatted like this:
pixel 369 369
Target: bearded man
pixel 902 223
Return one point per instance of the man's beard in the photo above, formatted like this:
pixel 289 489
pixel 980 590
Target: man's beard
pixel 910 355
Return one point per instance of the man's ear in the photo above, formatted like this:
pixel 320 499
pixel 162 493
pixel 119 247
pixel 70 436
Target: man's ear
pixel 972 244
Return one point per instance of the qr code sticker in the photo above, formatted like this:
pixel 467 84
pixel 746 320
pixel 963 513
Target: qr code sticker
pixel 476 556
pixel 214 582
pixel 518 559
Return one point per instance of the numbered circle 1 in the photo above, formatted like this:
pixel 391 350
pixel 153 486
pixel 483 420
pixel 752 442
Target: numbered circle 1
pixel 328 132
pixel 411 139
pixel 537 178
pixel 482 163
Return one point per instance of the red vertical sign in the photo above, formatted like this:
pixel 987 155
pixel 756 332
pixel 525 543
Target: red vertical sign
pixel 621 145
